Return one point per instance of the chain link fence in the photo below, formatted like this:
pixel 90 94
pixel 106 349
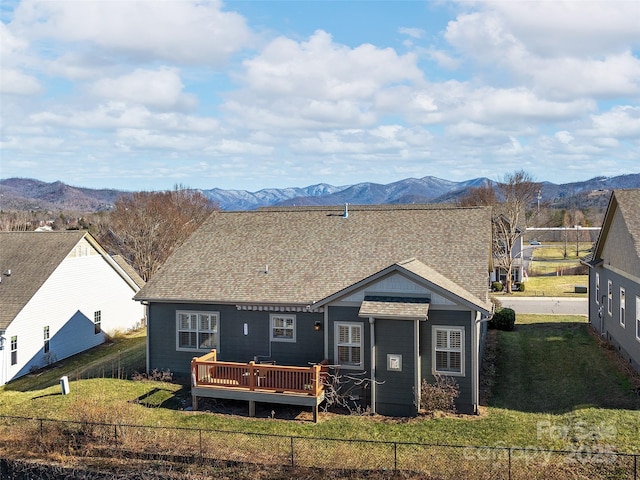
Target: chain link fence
pixel 192 445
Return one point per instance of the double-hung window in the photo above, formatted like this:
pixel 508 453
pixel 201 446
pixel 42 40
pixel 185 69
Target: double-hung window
pixel 348 344
pixel 623 307
pixel 14 350
pixel 46 339
pixel 609 297
pixel 448 350
pixel 283 328
pixel 197 330
pixel 638 318
pixel 97 322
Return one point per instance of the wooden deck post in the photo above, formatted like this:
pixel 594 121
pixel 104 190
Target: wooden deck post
pixel 252 408
pixel 315 413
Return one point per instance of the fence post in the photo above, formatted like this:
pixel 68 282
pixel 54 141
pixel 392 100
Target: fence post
pixel 635 467
pixel 41 428
pixel 395 457
pixel 292 460
pixel 201 453
pixel 115 434
pixel 509 474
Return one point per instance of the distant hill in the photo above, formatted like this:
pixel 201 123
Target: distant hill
pixel 29 194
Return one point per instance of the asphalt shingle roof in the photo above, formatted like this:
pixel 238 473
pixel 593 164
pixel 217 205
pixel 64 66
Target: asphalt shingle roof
pixel 629 205
pixel 299 255
pixel 32 257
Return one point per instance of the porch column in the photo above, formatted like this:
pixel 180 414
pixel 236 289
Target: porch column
pixel 372 330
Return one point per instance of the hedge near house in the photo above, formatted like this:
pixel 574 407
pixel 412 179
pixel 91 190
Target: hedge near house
pixel 503 319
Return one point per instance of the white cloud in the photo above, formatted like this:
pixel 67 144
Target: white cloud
pixel 562 49
pixel 119 115
pixel 582 28
pixel 322 69
pixel 160 89
pixel 622 122
pixel 16 82
pixel 416 33
pixel 185 32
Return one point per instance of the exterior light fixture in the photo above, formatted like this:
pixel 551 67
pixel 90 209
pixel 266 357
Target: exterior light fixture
pixel 317 326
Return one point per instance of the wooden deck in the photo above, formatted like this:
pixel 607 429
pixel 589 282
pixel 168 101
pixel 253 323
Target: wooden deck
pixel 256 382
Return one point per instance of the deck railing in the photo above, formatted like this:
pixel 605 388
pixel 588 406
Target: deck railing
pixel 206 371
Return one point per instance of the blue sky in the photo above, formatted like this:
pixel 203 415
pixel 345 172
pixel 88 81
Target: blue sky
pixel 257 94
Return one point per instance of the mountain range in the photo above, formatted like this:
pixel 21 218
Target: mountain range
pixel 36 195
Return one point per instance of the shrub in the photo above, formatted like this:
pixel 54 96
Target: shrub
pixel 497 304
pixel 496 286
pixel 440 395
pixel 520 286
pixel 503 319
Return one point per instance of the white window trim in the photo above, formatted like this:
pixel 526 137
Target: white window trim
pixel 336 338
pixel 638 318
pixel 97 322
pixel 623 308
pixel 448 329
pixel 13 350
pixel 597 288
pixel 197 330
pixel 610 297
pixel 272 327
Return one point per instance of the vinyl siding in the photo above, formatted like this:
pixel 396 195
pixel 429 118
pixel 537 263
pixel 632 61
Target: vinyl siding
pixel 622 338
pixel 66 303
pixel 233 344
pixel 395 391
pixel 449 318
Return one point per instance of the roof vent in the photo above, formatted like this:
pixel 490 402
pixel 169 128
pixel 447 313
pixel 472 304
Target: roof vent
pixel 346 210
pixel 8 273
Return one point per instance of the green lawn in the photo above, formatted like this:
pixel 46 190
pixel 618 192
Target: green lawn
pixel 556 258
pixel 550 377
pixel 552 286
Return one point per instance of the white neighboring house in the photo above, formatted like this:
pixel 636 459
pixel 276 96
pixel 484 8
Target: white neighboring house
pixel 60 294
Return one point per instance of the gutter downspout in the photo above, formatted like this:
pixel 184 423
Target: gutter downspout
pixel 372 331
pixel 417 361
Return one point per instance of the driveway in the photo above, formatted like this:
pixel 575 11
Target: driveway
pixel 546 305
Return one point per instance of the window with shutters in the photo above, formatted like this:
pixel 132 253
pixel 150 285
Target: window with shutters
pixel 348 345
pixel 197 331
pixel 597 288
pixel 609 297
pixel 448 350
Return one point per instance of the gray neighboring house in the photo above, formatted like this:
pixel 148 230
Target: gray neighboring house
pixel 393 293
pixel 614 276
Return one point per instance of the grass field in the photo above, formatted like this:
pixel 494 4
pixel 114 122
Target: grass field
pixel 553 286
pixel 557 258
pixel 550 376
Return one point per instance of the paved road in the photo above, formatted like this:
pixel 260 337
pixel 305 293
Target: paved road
pixel 546 305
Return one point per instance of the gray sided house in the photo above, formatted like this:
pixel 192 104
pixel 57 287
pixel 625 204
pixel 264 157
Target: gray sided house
pixel 395 294
pixel 614 276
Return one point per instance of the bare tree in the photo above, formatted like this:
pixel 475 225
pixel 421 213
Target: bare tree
pixel 483 195
pixel 146 227
pixel 517 192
